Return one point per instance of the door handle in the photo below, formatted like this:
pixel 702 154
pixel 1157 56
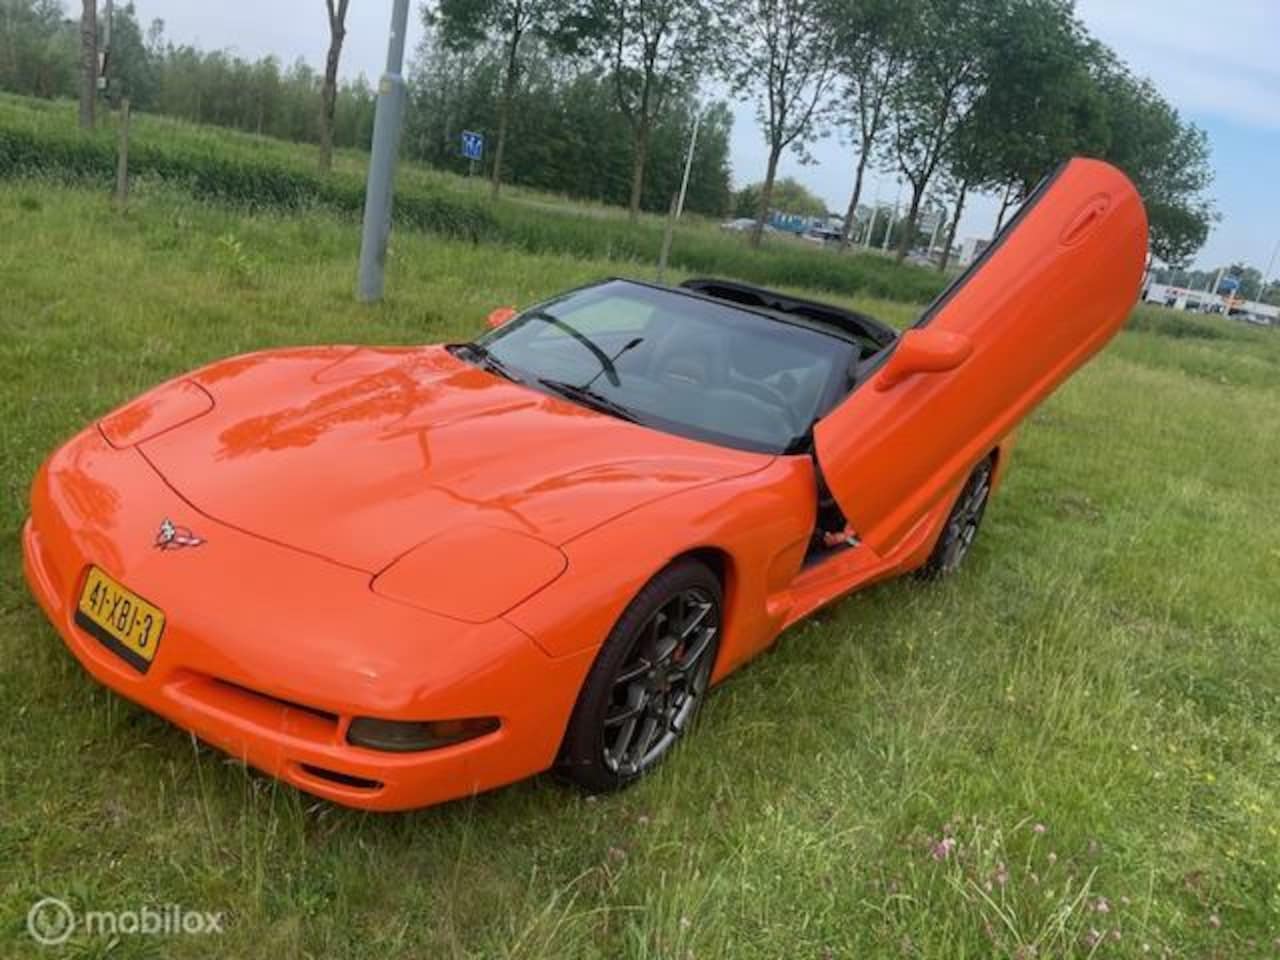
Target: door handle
pixel 1084 222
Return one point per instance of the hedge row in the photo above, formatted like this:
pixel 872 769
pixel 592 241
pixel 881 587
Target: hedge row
pixel 219 177
pixel 696 249
pixel 222 167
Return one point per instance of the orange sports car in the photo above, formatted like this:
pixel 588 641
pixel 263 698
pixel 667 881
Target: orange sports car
pixel 392 577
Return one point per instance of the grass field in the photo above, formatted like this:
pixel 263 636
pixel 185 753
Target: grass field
pixel 1071 749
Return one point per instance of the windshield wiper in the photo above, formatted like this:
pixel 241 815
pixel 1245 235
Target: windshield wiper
pixel 606 362
pixel 490 362
pixel 589 398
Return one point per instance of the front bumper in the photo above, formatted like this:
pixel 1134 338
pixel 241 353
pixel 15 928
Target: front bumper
pixel 268 653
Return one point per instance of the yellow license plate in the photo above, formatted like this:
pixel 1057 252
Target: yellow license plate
pixel 121 619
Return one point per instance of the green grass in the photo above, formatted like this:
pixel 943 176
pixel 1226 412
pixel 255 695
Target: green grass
pixel 1105 666
pixel 257 173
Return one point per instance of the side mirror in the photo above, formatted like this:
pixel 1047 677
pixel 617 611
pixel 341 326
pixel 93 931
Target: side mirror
pixel 922 350
pixel 500 316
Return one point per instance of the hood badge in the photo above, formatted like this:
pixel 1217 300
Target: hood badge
pixel 172 537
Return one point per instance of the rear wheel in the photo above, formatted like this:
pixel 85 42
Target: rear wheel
pixel 962 524
pixel 648 681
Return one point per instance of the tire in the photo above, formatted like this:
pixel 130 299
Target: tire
pixel 630 714
pixel 961 528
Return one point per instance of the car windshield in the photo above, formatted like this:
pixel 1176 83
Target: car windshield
pixel 676 362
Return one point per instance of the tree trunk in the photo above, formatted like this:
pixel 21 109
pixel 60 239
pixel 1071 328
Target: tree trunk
pixel 641 156
pixel 329 92
pixel 952 227
pixel 909 227
pixel 847 230
pixel 122 157
pixel 766 195
pixel 88 63
pixel 1005 203
pixel 504 112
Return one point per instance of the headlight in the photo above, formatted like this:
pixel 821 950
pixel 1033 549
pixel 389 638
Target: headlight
pixel 401 736
pixel 167 406
pixel 472 573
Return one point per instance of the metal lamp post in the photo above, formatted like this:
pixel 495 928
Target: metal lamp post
pixel 688 164
pixel 888 231
pixel 387 121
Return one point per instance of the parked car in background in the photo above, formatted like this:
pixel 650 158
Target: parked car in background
pixel 823 236
pixel 744 225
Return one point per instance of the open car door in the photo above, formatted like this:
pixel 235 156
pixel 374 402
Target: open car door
pixel 1052 289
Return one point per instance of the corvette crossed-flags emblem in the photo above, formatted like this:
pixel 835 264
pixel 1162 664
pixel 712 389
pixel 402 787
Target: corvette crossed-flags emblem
pixel 172 537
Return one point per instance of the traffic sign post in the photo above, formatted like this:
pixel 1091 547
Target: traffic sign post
pixel 472 149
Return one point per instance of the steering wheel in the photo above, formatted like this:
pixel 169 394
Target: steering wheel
pixel 762 391
pixel 767 393
pixel 610 371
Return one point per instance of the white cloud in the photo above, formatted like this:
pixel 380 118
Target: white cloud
pixel 1219 59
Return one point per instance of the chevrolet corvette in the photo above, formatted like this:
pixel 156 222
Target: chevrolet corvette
pixel 393 577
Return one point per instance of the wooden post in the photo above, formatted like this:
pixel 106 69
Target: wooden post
pixel 88 63
pixel 666 239
pixel 122 157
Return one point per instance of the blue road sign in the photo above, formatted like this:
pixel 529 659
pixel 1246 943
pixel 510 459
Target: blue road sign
pixel 472 145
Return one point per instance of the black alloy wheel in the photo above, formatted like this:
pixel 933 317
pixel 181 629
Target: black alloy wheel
pixel 962 525
pixel 648 681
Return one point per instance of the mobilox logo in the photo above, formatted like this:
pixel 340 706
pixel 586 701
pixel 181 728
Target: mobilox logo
pixel 52 922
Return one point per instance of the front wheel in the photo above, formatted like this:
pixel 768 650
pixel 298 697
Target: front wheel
pixel 962 524
pixel 648 681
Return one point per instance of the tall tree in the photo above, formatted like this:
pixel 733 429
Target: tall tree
pixel 869 47
pixel 965 170
pixel 1041 106
pixel 88 63
pixel 1037 107
pixel 654 50
pixel 1167 158
pixel 944 75
pixel 566 132
pixel 131 68
pixel 329 91
pixel 786 57
pixel 464 24
pixel 37 49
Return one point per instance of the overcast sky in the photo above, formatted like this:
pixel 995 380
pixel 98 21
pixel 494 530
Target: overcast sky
pixel 1219 65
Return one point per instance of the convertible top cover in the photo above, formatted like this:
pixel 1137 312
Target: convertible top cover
pixel 850 321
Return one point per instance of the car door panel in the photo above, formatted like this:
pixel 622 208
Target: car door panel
pixel 1056 285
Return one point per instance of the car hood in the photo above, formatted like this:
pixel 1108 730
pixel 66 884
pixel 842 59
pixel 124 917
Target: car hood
pixel 358 455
